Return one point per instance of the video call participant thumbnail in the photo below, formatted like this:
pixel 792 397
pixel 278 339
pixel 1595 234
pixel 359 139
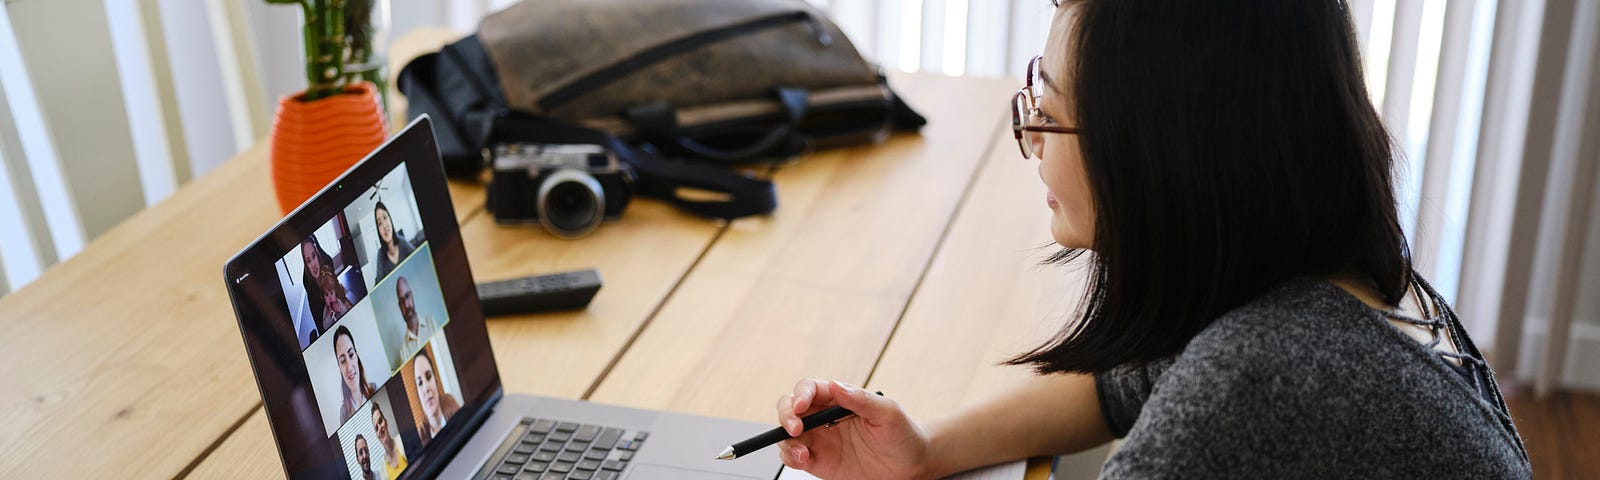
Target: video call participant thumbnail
pixel 410 307
pixel 346 367
pixel 389 440
pixel 391 249
pixel 320 282
pixel 364 459
pixel 433 400
pixel 352 374
pixel 388 228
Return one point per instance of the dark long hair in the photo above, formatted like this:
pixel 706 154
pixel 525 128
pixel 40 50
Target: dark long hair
pixel 361 368
pixel 313 288
pixel 1230 146
pixel 394 239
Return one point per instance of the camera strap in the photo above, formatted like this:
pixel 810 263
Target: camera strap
pixel 656 176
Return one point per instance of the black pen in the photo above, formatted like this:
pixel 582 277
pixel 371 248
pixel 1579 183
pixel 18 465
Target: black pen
pixel 766 439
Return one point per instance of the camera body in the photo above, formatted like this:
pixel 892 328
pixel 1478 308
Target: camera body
pixel 568 188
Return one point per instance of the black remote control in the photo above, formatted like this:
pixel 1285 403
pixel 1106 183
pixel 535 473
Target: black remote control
pixel 539 293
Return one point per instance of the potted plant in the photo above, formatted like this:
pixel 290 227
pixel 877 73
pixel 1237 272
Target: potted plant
pixel 320 132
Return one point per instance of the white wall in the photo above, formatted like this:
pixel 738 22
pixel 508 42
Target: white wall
pixel 197 77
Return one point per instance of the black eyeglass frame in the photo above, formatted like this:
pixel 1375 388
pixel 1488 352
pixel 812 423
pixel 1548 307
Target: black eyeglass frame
pixel 1024 106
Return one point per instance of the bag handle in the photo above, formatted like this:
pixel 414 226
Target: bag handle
pixel 657 123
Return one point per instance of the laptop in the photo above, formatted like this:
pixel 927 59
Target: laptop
pixel 362 323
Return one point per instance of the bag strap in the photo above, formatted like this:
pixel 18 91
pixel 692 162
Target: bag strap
pixel 664 179
pixel 657 176
pixel 657 123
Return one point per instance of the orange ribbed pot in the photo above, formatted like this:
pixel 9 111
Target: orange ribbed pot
pixel 314 142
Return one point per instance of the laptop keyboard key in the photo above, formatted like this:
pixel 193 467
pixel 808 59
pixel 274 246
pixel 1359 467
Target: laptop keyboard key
pixel 551 447
pixel 553 476
pixel 586 433
pixel 594 455
pixel 509 469
pixel 640 436
pixel 577 446
pixel 608 438
pixel 589 465
pixel 562 467
pixel 581 475
pixel 542 426
pixel 560 437
pixel 536 467
pixel 544 457
pixel 566 427
pixel 612 465
pixel 626 456
pixel 525 449
pixel 527 476
pixel 605 475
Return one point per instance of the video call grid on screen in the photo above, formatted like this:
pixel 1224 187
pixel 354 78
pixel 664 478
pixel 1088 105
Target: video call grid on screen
pixel 364 299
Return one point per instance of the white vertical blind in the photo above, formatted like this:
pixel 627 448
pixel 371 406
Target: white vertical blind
pixel 141 101
pixel 1568 198
pixel 50 193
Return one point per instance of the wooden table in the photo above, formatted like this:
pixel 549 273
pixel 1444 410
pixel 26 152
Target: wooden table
pixel 907 266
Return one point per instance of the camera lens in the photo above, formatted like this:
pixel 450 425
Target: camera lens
pixel 571 203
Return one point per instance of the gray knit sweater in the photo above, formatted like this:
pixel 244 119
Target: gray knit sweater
pixel 1307 382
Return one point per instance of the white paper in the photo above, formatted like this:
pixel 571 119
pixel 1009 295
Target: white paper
pixel 1005 471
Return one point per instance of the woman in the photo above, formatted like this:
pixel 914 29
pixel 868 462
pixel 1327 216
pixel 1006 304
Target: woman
pixel 391 249
pixel 394 459
pixel 437 405
pixel 1251 311
pixel 326 296
pixel 352 373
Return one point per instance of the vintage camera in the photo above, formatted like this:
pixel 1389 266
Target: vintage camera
pixel 568 188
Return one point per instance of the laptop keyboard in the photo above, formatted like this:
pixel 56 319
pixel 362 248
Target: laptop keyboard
pixel 545 449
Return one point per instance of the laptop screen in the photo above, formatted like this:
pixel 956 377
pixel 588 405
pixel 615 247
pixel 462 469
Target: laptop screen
pixel 361 320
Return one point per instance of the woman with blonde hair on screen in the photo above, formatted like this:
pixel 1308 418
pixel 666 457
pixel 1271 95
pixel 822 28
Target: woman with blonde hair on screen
pixel 394 459
pixel 352 374
pixel 437 404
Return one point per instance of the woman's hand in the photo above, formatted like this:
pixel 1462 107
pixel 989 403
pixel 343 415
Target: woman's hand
pixel 880 442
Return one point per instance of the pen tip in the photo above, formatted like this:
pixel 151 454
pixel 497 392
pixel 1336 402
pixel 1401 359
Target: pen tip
pixel 727 454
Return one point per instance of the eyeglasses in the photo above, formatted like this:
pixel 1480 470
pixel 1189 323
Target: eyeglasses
pixel 1027 122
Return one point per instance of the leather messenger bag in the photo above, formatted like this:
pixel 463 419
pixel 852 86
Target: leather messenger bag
pixel 726 81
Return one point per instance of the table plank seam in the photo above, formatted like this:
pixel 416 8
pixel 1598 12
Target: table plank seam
pixel 654 311
pixel 938 246
pixel 474 213
pixel 204 454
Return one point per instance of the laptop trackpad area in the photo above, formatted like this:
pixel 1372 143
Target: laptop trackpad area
pixel 653 472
